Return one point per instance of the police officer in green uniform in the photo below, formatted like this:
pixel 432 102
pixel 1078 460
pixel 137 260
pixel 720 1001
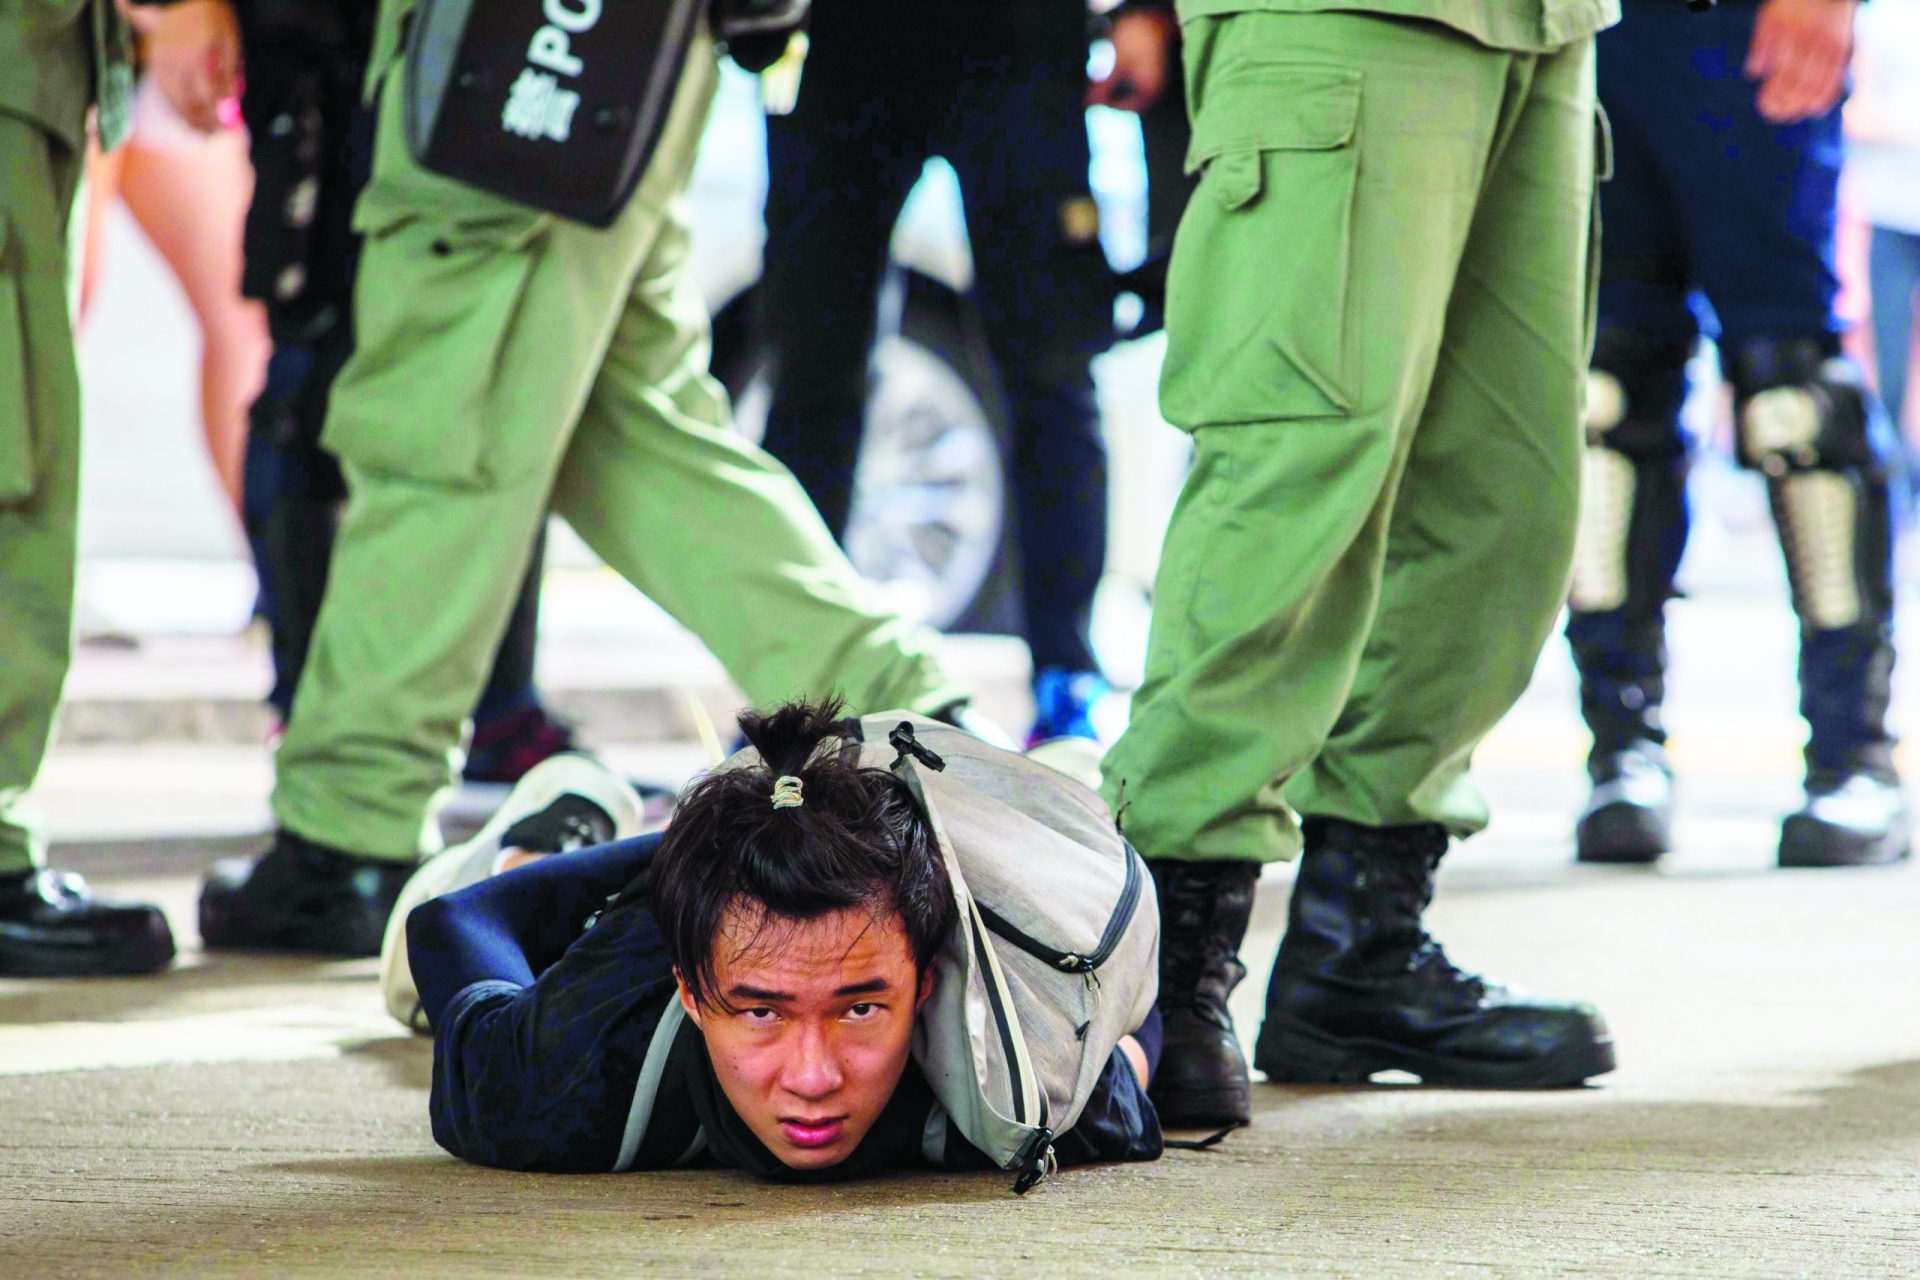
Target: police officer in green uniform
pixel 509 361
pixel 58 59
pixel 1378 318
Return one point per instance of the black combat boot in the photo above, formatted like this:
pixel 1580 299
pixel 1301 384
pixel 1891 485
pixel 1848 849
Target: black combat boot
pixel 1622 663
pixel 1360 987
pixel 1851 819
pixel 1629 813
pixel 300 896
pixel 1855 813
pixel 1204 909
pixel 51 926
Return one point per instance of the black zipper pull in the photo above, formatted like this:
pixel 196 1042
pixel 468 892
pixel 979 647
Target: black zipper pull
pixel 903 741
pixel 1035 1162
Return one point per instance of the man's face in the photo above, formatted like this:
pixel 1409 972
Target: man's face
pixel 819 1028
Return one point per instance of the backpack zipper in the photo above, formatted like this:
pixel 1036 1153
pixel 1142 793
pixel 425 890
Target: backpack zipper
pixel 1016 1061
pixel 1074 961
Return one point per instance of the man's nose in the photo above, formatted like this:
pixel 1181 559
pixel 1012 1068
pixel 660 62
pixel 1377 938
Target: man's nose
pixel 813 1069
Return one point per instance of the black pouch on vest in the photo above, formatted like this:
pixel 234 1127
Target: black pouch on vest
pixel 555 104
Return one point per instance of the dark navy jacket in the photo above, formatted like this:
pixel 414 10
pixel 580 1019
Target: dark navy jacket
pixel 545 1001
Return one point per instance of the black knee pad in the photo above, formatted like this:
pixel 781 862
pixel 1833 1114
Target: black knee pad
pixel 1635 388
pixel 1805 418
pixel 1633 506
pixel 1799 405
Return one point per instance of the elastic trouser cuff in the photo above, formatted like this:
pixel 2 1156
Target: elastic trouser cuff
pixel 1261 837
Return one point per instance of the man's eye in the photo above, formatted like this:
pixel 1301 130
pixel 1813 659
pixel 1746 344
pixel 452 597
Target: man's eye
pixel 865 1009
pixel 761 1015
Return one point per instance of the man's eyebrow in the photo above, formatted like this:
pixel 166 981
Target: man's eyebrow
pixel 871 987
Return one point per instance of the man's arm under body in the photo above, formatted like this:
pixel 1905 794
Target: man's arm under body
pixel 541 1030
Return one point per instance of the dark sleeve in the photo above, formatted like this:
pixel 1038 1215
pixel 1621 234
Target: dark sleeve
pixel 511 927
pixel 540 1072
pixel 1119 1123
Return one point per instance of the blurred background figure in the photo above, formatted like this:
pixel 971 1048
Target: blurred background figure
pixel 1720 219
pixel 188 191
pixel 1883 164
pixel 998 89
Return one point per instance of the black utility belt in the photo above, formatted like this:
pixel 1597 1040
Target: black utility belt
pixel 557 104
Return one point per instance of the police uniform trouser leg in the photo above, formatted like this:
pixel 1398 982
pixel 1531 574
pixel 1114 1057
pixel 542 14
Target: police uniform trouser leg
pixel 39 463
pixel 1378 325
pixel 504 360
pixel 50 925
pixel 1378 320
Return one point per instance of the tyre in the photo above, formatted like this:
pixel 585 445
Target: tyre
pixel 930 513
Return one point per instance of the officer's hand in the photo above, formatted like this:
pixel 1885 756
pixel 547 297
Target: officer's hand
pixel 1142 48
pixel 193 55
pixel 1799 55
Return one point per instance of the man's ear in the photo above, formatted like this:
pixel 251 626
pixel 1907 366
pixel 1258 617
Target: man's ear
pixel 927 980
pixel 687 1001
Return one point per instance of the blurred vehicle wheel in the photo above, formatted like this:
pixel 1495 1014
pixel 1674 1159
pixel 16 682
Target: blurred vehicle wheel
pixel 929 518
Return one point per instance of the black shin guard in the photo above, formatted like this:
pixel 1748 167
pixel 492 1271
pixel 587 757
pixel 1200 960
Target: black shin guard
pixel 1810 425
pixel 1633 527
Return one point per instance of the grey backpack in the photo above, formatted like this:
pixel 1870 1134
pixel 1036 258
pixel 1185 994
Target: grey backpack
pixel 1054 952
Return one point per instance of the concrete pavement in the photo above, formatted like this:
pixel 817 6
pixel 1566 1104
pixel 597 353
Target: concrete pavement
pixel 248 1116
pixel 251 1116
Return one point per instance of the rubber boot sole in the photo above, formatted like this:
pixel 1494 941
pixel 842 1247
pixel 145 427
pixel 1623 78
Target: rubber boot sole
pixel 1808 842
pixel 1291 1052
pixel 131 954
pixel 1622 835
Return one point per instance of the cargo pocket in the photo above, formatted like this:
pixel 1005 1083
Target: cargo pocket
pixel 16 432
pixel 434 304
pixel 1257 321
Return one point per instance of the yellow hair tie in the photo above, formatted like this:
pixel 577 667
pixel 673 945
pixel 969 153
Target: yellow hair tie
pixel 786 792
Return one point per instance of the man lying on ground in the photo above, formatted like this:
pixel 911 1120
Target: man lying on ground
pixel 781 937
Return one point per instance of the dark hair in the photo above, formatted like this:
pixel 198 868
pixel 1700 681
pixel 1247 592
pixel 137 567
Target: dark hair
pixel 857 839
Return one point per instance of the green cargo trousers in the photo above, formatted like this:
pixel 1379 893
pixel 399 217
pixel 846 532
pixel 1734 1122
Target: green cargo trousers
pixel 1378 319
pixel 39 462
pixel 509 362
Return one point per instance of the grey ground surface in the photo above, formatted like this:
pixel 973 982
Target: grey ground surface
pixel 256 1117
pixel 246 1116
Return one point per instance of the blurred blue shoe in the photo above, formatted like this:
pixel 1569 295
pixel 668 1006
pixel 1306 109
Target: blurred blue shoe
pixel 1063 704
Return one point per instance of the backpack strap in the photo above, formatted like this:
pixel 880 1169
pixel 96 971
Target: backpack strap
pixel 648 1088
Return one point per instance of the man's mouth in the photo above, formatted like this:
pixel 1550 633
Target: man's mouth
pixel 804 1131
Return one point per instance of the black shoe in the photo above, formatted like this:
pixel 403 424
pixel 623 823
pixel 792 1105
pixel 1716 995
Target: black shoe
pixel 51 926
pixel 1629 816
pixel 1360 987
pixel 1849 820
pixel 300 896
pixel 1204 909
